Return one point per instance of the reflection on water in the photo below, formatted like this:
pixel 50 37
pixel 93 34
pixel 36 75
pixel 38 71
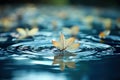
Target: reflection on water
pixel 64 60
pixel 32 75
pixel 22 69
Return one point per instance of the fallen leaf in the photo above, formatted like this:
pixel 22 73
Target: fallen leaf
pixel 25 32
pixel 104 34
pixel 72 31
pixel 66 44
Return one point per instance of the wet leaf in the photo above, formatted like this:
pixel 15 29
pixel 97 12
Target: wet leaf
pixel 72 31
pixel 56 44
pixel 107 23
pixel 25 32
pixel 104 34
pixel 66 44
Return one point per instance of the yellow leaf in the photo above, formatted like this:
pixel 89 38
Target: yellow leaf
pixel 104 34
pixel 64 44
pixel 89 19
pixel 75 30
pixel 57 44
pixel 72 31
pixel 33 31
pixel 21 31
pixel 62 41
pixel 25 32
pixel 69 42
pixel 22 37
pixel 107 23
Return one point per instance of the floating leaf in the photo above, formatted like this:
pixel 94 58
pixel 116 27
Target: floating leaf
pixel 25 32
pixel 107 23
pixel 72 31
pixel 66 44
pixel 104 34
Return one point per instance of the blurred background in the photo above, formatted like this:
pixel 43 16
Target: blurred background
pixel 101 3
pixel 15 13
pixel 113 3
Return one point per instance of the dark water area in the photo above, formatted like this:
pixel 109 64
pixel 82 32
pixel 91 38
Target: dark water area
pixel 105 69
